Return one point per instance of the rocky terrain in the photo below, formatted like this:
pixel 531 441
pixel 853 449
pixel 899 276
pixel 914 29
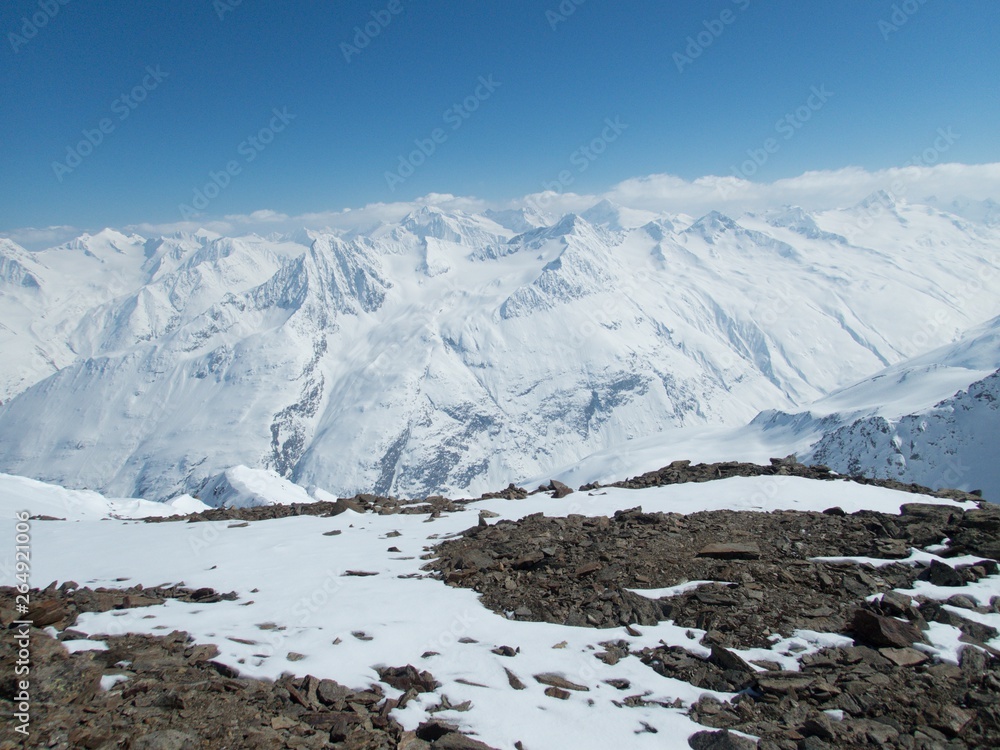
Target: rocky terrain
pixel 765 580
pixel 176 697
pixel 739 581
pixel 518 343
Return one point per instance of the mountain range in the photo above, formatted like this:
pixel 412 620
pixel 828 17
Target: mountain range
pixel 452 352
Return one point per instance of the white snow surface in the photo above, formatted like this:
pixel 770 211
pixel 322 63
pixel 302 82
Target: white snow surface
pixel 454 352
pixel 50 500
pixel 295 599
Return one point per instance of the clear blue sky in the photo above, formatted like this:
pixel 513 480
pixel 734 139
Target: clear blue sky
pixel 354 119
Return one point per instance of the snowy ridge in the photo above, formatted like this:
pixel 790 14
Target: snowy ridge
pixel 948 445
pixel 450 352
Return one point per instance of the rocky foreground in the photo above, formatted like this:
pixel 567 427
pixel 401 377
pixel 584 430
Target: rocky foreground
pixel 767 582
pixel 765 578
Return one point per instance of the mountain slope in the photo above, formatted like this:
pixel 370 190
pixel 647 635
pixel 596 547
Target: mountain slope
pixel 928 420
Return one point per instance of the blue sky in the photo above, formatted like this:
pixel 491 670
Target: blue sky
pixel 212 76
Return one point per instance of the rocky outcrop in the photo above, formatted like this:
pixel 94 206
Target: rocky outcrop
pixel 166 693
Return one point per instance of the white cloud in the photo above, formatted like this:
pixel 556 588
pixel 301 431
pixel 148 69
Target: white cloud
pixel 812 190
pixel 34 237
pixel 659 192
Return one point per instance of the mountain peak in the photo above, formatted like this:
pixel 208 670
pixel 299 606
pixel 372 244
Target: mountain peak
pixel 879 198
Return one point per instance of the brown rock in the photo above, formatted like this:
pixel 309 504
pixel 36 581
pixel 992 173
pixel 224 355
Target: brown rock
pixel 880 631
pixel 723 740
pixel 408 678
pixel 731 551
pixel 951 719
pixel 167 739
pixel 587 569
pixel 513 679
pixel 560 489
pixel 726 659
pixel 47 613
pixel 332 693
pixel 942 575
pixel 554 692
pixel 904 657
pixel 558 681
pixel 456 741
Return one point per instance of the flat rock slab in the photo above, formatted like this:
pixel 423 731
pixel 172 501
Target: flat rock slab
pixel 558 681
pixel 731 551
pixel 904 657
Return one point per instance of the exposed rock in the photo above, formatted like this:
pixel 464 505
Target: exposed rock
pixel 166 739
pixel 723 740
pixel 942 575
pixel 877 630
pixel 175 698
pixel 559 489
pixel 730 551
pixel 558 681
pixel 408 678
pixel 904 657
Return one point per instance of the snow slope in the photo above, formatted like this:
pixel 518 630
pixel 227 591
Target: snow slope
pixel 295 601
pixel 932 420
pixel 450 353
pixel 40 499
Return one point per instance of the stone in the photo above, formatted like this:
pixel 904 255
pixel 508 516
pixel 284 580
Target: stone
pixel 513 680
pixel 343 505
pixel 895 604
pixel 46 613
pixel 961 601
pixel 559 489
pixel 558 681
pixel 167 739
pixel 726 659
pixel 456 741
pixel 587 569
pixel 408 678
pixel 941 575
pixel 554 692
pixel 731 551
pixel 879 631
pixel 904 657
pixel 951 719
pixel 723 740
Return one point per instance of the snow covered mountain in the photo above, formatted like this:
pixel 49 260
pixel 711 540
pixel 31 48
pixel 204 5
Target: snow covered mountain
pixel 931 419
pixel 453 352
